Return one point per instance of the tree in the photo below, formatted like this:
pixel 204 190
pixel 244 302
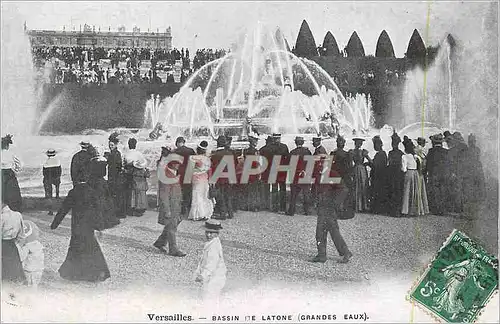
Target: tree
pixel 330 45
pixel 384 46
pixel 416 47
pixel 354 47
pixel 305 45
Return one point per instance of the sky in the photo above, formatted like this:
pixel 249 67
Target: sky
pixel 211 24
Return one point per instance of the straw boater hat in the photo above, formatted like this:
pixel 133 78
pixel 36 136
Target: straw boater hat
pixel 358 139
pixel 276 135
pixel 203 145
pixel 213 226
pixel 51 152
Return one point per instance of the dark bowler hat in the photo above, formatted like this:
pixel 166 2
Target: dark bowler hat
pixel 376 139
pixel 51 152
pixel 299 139
pixel 316 139
pixel 269 139
pixel 340 138
pixel 213 226
pixel 180 139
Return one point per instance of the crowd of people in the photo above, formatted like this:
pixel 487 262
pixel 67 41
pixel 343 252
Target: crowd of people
pixel 124 66
pixel 446 179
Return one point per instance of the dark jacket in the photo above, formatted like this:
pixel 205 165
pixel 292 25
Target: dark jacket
pixel 80 166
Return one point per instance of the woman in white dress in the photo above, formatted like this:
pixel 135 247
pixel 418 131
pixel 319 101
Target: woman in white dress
pixel 202 206
pixel 414 194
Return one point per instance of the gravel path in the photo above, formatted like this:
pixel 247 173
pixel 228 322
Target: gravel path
pixel 268 270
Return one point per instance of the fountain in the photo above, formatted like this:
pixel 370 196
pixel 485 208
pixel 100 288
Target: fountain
pixel 262 84
pixel 19 106
pixel 429 94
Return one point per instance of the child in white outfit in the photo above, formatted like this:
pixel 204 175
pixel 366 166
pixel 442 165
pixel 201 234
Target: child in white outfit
pixel 31 254
pixel 211 271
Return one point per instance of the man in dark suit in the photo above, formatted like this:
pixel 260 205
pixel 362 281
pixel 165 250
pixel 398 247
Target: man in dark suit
pixel 80 171
pixel 187 189
pixel 332 197
pixel 438 166
pixel 224 195
pixel 319 153
pixel 345 165
pixel 278 190
pixel 295 187
pixel 265 188
pixel 251 190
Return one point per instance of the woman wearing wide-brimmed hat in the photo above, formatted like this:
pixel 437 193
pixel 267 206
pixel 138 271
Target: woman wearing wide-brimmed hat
pixel 414 193
pixel 11 193
pixel 360 174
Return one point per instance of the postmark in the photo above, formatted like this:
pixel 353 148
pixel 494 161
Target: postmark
pixel 459 282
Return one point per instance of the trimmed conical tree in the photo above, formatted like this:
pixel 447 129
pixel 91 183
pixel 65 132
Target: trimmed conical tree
pixel 330 45
pixel 384 46
pixel 416 47
pixel 354 47
pixel 305 45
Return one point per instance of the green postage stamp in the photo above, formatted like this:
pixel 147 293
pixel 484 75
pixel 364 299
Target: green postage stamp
pixel 459 282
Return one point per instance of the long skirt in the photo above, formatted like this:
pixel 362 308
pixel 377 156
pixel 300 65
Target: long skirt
pixel 201 206
pixel 414 194
pixel 361 187
pixel 11 193
pixel 137 194
pixel 84 261
pixel 395 188
pixel 12 268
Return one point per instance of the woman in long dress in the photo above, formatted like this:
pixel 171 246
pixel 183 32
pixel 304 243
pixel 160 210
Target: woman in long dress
pixel 414 193
pixel 395 177
pixel 11 193
pixel 202 206
pixel 84 261
pixel 360 174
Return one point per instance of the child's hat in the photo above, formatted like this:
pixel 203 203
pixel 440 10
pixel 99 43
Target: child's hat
pixel 213 226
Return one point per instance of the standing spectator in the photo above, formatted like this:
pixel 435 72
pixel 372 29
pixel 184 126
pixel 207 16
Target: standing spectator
pixel 51 175
pixel 11 193
pixel 80 164
pixel 136 172
pixel 202 206
pixel 224 195
pixel 378 176
pixel 474 176
pixel 458 157
pixel 319 151
pixel 278 189
pixel 187 188
pixel 115 176
pixel 295 187
pixel 266 153
pixel 251 192
pixel 395 176
pixel 437 175
pixel 414 194
pixel 360 174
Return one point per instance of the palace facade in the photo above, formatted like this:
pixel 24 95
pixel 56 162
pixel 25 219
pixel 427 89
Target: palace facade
pixel 89 37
